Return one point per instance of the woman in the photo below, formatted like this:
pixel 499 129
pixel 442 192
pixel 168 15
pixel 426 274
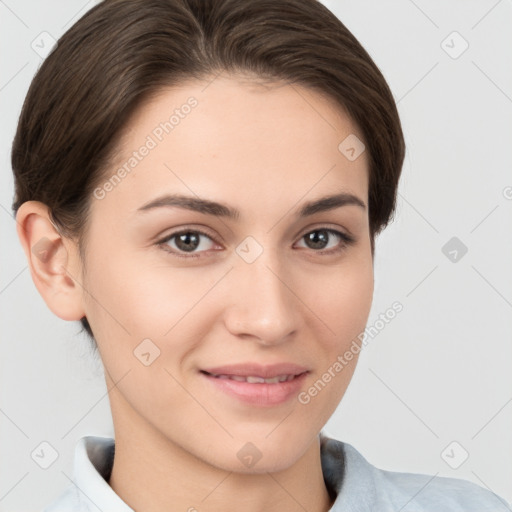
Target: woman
pixel 200 183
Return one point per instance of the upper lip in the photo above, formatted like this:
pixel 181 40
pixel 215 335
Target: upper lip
pixel 258 370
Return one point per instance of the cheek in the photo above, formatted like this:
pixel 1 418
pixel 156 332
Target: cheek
pixel 341 299
pixel 145 300
pixel 343 303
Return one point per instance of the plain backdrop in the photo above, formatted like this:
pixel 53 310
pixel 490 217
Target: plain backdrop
pixel 434 386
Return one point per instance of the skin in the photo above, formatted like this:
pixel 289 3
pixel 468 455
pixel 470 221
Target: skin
pixel 265 150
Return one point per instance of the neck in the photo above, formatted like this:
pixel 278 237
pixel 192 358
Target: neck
pixel 153 474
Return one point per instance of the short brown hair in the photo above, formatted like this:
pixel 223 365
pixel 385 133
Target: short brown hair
pixel 123 51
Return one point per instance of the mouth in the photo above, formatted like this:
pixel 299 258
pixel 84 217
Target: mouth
pixel 261 386
pixel 255 379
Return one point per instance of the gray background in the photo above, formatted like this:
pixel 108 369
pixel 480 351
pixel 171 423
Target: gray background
pixel 439 372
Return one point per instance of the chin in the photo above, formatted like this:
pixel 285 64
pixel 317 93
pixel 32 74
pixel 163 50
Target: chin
pixel 258 454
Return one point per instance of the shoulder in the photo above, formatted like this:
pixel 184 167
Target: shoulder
pixel 358 481
pixel 89 490
pixel 431 493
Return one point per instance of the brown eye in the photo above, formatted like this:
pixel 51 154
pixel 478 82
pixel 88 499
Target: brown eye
pixel 327 239
pixel 192 243
pixel 187 241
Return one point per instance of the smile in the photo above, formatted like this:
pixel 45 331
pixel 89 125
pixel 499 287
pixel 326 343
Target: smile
pixel 255 379
pixel 256 390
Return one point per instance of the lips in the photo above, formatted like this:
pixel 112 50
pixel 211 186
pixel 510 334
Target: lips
pixel 258 385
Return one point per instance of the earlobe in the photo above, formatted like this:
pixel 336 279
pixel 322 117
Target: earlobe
pixel 53 261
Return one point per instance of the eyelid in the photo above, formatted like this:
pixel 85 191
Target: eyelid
pixel 317 226
pixel 192 228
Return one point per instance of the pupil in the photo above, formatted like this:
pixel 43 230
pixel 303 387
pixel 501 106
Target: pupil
pixel 183 241
pixel 318 238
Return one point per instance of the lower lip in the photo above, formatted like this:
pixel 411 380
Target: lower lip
pixel 261 394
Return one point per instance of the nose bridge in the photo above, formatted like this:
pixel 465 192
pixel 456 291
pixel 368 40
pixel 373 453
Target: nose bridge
pixel 262 305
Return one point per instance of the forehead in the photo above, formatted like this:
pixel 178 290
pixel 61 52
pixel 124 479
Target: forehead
pixel 229 138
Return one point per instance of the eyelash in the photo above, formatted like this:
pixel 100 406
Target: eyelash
pixel 346 241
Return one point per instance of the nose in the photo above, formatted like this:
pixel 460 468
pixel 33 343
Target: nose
pixel 262 302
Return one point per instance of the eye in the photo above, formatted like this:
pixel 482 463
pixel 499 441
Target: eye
pixel 186 242
pixel 190 243
pixel 324 238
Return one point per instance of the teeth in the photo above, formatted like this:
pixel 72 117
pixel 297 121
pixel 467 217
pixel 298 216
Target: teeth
pixel 257 380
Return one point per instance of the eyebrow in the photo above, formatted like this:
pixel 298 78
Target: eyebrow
pixel 208 207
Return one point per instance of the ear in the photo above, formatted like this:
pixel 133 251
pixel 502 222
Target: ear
pixel 53 261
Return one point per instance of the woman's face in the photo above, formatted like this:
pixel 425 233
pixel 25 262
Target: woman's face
pixel 176 291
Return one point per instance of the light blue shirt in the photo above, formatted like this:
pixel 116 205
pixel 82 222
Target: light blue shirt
pixel 358 485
